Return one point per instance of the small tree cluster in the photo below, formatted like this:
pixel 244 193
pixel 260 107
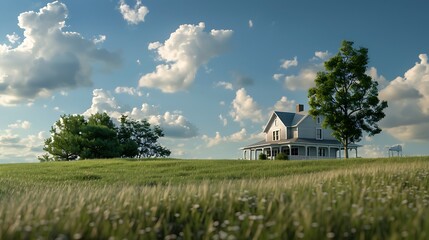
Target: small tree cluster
pixel 73 137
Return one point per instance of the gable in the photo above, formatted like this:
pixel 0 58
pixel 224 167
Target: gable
pixel 288 119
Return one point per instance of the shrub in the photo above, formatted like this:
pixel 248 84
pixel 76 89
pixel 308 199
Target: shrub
pixel 282 156
pixel 262 156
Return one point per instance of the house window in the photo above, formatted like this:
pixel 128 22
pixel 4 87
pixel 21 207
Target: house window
pixel 322 152
pixel 319 134
pixel 276 135
pixel 318 120
pixel 294 151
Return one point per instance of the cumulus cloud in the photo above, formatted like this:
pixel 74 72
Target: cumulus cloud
pixel 103 101
pixel 284 105
pixel 48 58
pixel 407 117
pixel 322 55
pixel 174 124
pixel 278 76
pixel 128 90
pixel 380 79
pixel 188 48
pixel 218 139
pixel 20 124
pixel 223 120
pixel 290 63
pixel 133 15
pixel 15 148
pixel 244 107
pixel 99 39
pixel 371 151
pixel 225 85
pixel 13 38
pixel 303 81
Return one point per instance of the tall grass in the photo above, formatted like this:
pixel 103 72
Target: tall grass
pixel 374 199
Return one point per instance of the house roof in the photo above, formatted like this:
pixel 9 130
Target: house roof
pixel 289 119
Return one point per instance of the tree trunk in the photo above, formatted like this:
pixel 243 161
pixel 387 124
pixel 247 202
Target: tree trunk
pixel 346 149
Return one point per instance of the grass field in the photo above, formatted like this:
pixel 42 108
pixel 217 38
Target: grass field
pixel 216 199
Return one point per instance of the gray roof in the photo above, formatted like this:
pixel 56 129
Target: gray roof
pixel 290 119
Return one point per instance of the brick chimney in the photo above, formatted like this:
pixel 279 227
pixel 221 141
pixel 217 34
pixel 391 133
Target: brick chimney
pixel 299 108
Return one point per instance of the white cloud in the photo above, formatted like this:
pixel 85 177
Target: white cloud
pixel 407 117
pixel 244 107
pixel 250 23
pixel 303 81
pixel 290 63
pixel 99 39
pixel 14 148
pixel 218 139
pixel 103 101
pixel 278 76
pixel 13 38
pixel 188 48
pixel 284 105
pixel 322 55
pixel 20 124
pixel 380 79
pixel 133 15
pixel 128 90
pixel 174 124
pixel 48 58
pixel 226 85
pixel 371 151
pixel 223 120
pixel 238 136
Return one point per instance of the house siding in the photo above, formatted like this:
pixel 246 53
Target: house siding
pixel 273 127
pixel 307 129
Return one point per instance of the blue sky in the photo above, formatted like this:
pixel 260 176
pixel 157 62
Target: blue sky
pixel 209 72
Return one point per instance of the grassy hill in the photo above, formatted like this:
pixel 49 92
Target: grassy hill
pixel 216 199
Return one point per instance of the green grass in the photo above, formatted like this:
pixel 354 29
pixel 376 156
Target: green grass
pixel 216 199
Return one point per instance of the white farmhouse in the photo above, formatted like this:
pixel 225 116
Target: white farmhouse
pixel 297 135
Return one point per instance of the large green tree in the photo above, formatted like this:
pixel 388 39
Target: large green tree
pixel 66 140
pixel 100 139
pixel 347 97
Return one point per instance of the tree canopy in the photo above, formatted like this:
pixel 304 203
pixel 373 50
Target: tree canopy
pixel 74 137
pixel 347 97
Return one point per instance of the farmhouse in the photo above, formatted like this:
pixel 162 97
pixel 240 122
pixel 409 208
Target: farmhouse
pixel 299 136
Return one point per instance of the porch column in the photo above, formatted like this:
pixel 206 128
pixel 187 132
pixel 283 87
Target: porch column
pixel 306 151
pixel 317 152
pixel 271 153
pixel 329 152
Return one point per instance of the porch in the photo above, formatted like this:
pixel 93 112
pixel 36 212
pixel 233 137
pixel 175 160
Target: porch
pixel 298 150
